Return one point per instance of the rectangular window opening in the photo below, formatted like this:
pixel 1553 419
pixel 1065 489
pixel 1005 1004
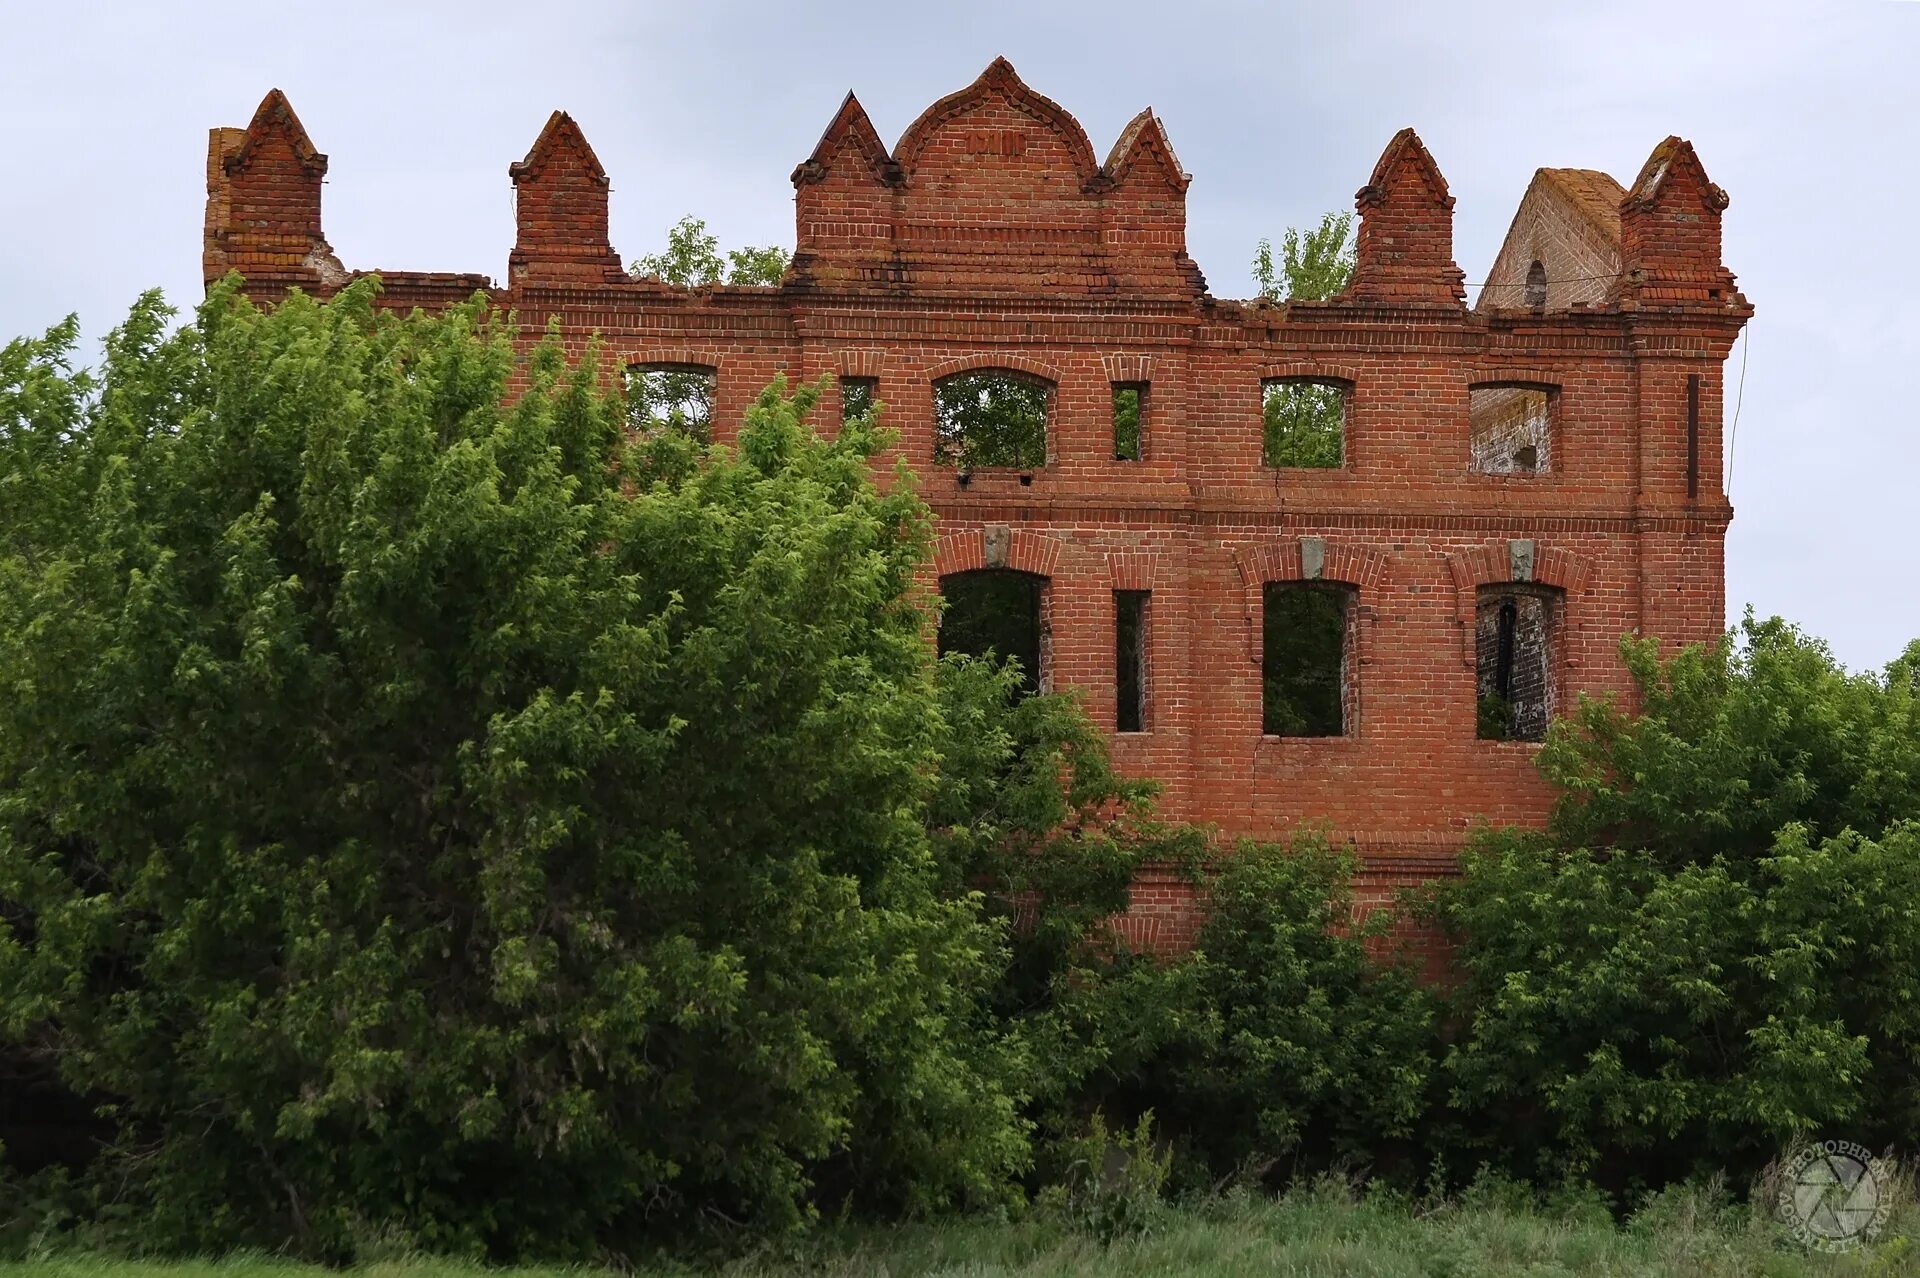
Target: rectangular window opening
pixel 856 397
pixel 1511 430
pixel 1303 664
pixel 1129 420
pixel 1304 422
pixel 671 397
pixel 997 614
pixel 1515 634
pixel 1130 658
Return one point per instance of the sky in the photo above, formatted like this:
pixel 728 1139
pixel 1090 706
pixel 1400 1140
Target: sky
pixel 1806 114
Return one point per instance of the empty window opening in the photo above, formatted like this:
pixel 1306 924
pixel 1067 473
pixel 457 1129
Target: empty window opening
pixel 1537 285
pixel 1304 422
pixel 856 397
pixel 1129 420
pixel 1511 430
pixel 991 418
pixel 996 613
pixel 1515 635
pixel 1303 669
pixel 671 397
pixel 1130 659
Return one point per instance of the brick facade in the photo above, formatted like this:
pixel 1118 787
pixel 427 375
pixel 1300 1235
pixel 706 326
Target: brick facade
pixel 992 237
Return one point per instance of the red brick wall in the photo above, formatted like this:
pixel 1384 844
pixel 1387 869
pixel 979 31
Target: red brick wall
pixel 991 236
pixel 1569 222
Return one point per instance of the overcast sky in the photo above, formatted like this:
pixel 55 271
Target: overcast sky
pixel 1806 114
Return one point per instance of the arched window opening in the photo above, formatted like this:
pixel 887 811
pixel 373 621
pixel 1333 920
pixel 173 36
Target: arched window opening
pixel 1511 430
pixel 1517 635
pixel 671 397
pixel 1303 668
pixel 1304 422
pixel 996 613
pixel 991 417
pixel 1537 285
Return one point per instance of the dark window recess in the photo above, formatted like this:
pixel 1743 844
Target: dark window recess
pixel 1537 285
pixel 1515 629
pixel 671 397
pixel 1304 423
pixel 991 418
pixel 1693 434
pixel 1303 659
pixel 1129 420
pixel 995 612
pixel 1130 659
pixel 1511 430
pixel 856 397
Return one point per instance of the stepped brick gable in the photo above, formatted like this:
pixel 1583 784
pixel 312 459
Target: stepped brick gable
pixel 1519 483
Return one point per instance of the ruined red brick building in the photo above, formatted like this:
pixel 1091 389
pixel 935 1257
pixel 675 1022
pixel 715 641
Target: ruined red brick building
pixel 1512 486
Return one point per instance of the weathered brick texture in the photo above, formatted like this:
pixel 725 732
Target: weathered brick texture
pixel 1568 227
pixel 560 211
pixel 991 237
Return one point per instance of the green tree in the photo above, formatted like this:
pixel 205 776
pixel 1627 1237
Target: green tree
pixel 1712 950
pixel 1313 266
pixel 1298 1045
pixel 428 812
pixel 693 260
pixel 671 399
pixel 1734 741
pixel 681 399
pixel 1305 422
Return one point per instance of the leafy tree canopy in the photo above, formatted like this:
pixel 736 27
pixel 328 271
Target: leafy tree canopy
pixel 1313 265
pixel 693 259
pixel 1305 422
pixel 1712 950
pixel 429 809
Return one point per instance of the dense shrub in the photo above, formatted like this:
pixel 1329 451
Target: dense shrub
pixel 1631 1021
pixel 1295 1047
pixel 1732 742
pixel 1714 950
pixel 1029 809
pixel 420 811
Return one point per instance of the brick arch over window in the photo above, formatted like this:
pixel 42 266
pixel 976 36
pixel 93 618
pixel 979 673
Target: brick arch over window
pixel 999 546
pixel 1516 560
pixel 987 361
pixel 1133 569
pixel 713 357
pixel 1514 375
pixel 866 363
pixel 1307 559
pixel 1311 371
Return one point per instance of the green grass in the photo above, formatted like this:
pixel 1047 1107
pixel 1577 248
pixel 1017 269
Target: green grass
pixel 1686 1234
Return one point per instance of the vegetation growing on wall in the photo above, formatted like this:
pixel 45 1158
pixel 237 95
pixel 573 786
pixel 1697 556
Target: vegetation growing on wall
pixel 1304 421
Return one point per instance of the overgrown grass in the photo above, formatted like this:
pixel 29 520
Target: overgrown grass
pixel 1326 1230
